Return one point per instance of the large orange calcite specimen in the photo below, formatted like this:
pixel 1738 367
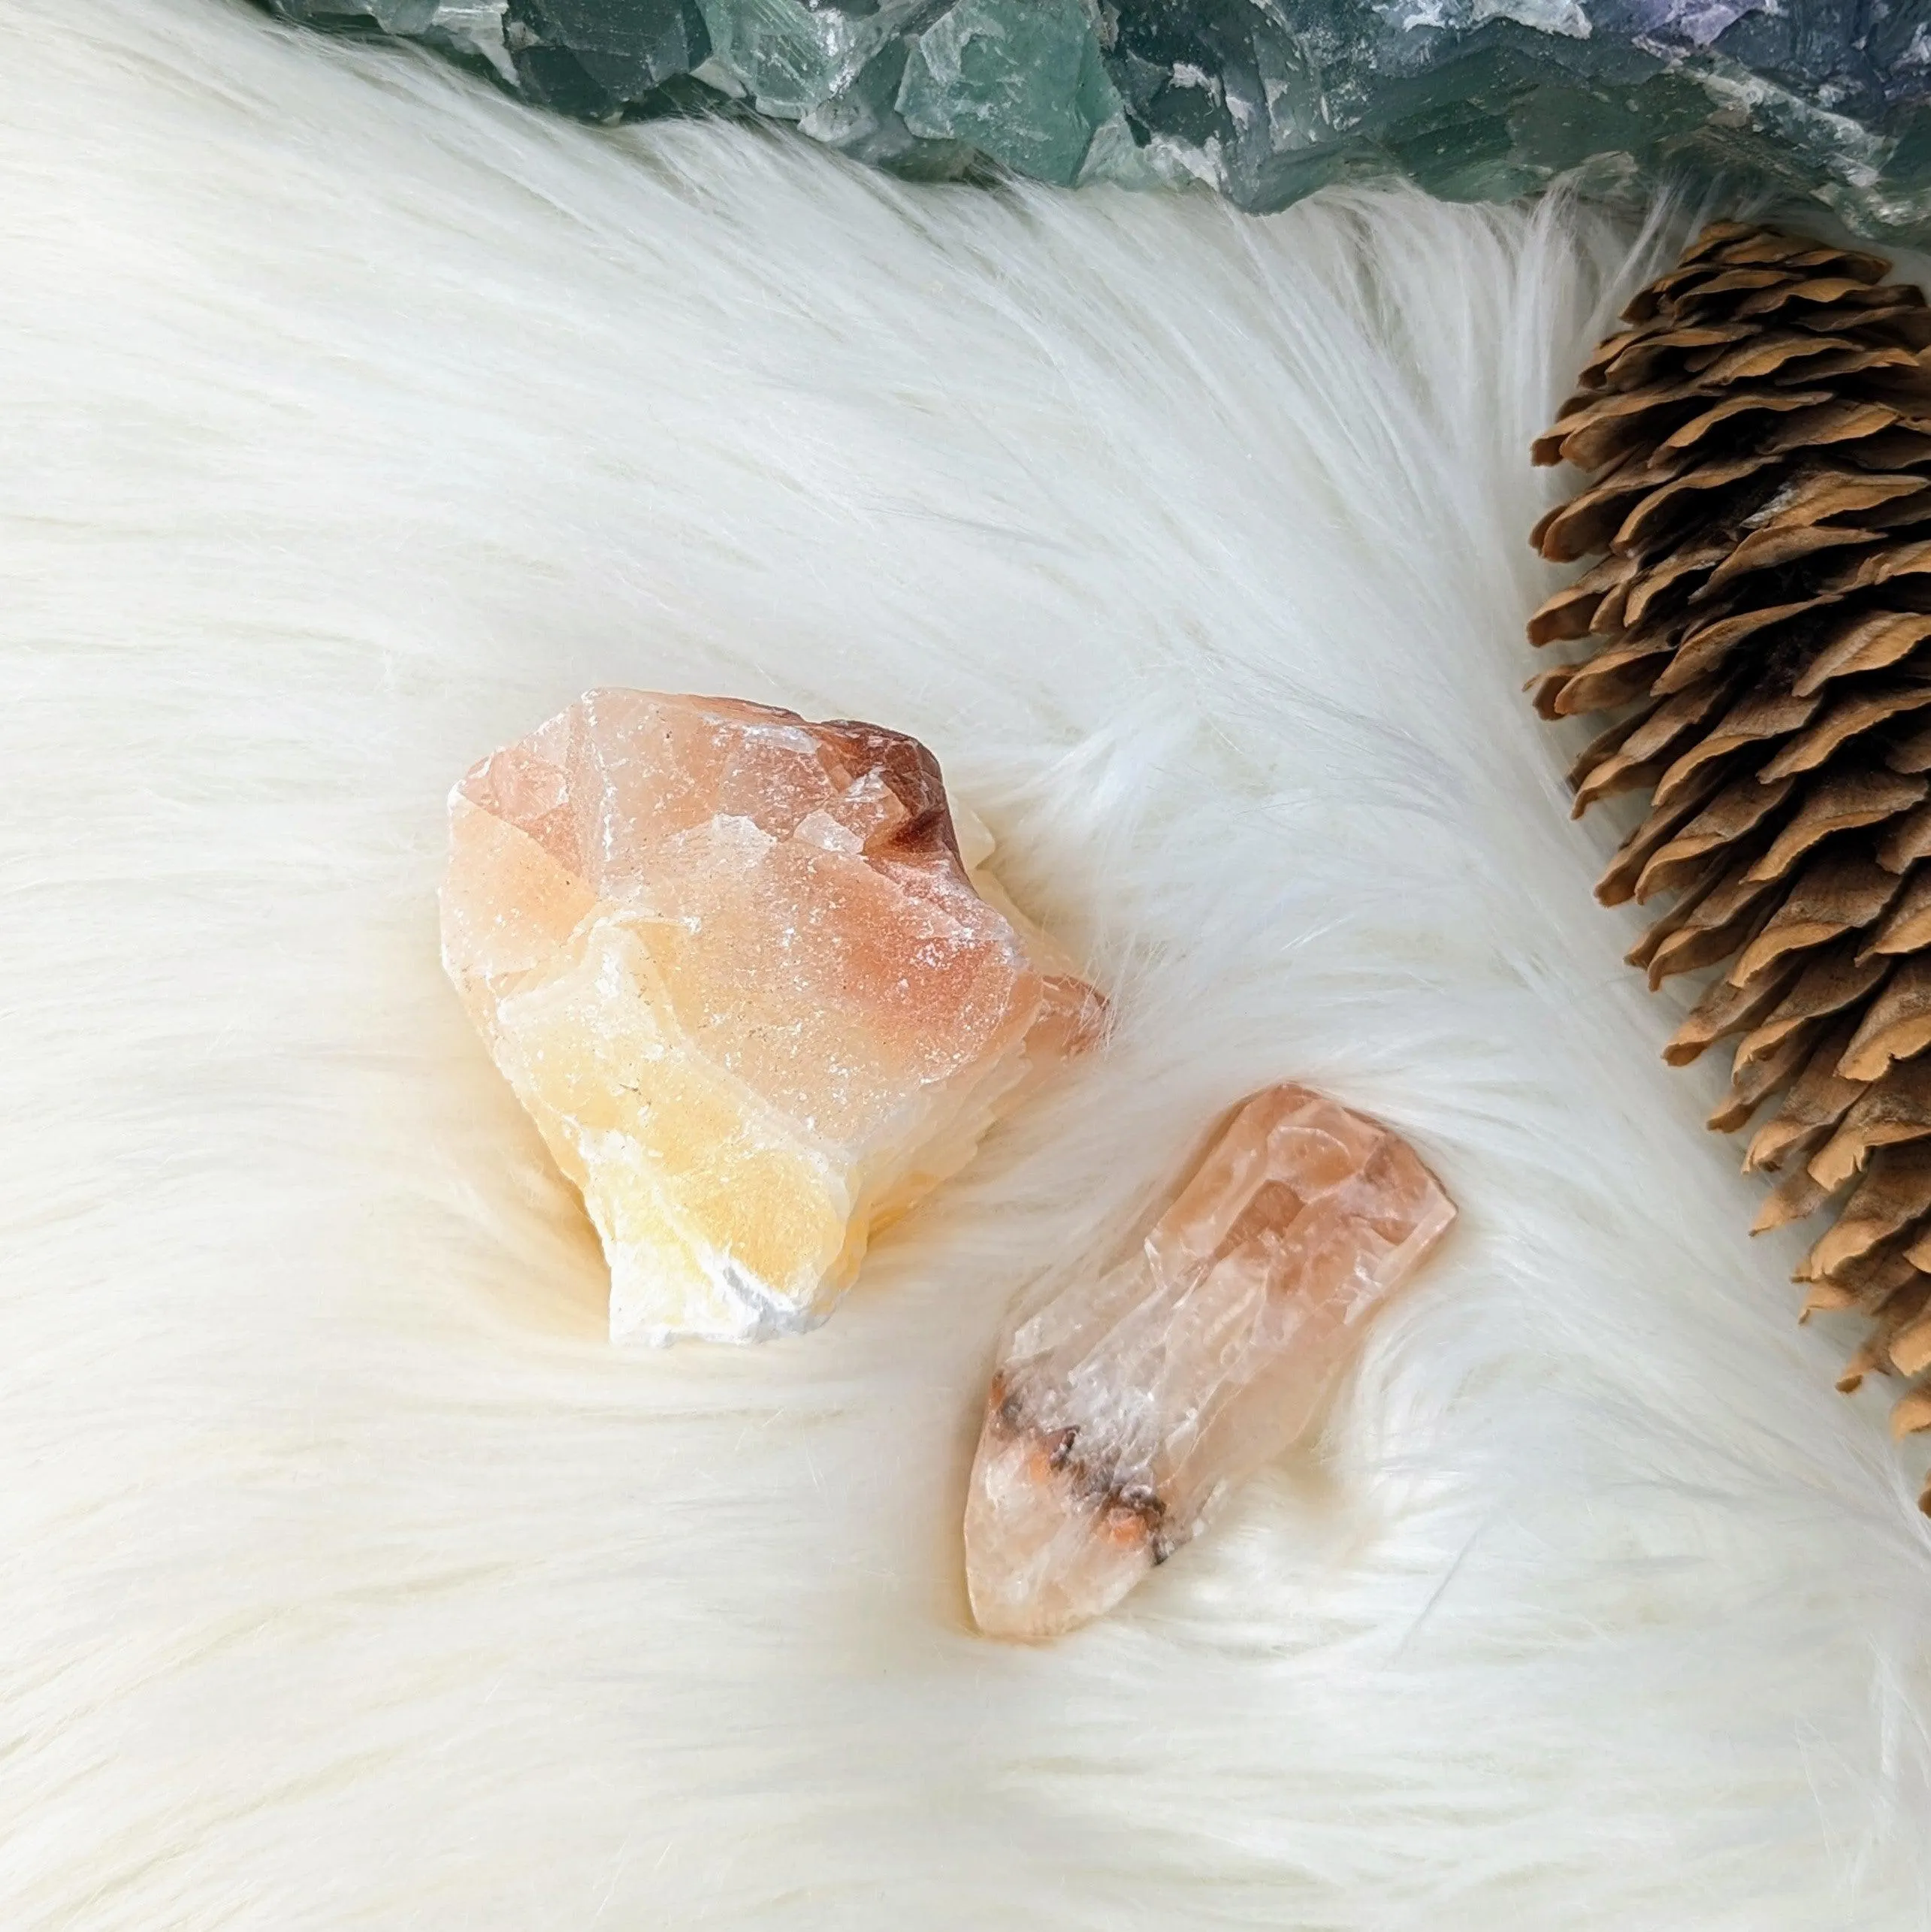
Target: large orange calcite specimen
pixel 746 976
pixel 1127 1408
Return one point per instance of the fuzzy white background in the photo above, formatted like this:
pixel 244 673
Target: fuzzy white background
pixel 351 420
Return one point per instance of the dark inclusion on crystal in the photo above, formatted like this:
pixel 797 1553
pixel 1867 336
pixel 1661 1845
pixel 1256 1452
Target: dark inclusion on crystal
pixel 1265 100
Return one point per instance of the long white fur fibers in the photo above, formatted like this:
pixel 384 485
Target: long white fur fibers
pixel 354 419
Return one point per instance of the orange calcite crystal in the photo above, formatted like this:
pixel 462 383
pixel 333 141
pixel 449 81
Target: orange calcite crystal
pixel 747 978
pixel 1128 1407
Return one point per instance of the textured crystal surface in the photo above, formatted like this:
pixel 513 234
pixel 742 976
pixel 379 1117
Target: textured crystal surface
pixel 756 997
pixel 1266 100
pixel 1128 1406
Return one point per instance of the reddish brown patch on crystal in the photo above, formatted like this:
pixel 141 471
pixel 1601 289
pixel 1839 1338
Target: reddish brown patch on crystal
pixel 912 774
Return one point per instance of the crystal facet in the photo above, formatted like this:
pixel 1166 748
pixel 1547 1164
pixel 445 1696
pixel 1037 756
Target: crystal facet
pixel 1473 99
pixel 1126 1408
pixel 756 996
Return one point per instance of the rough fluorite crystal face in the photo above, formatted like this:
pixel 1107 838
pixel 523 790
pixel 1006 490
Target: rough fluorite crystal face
pixel 757 1000
pixel 1267 100
pixel 1130 1405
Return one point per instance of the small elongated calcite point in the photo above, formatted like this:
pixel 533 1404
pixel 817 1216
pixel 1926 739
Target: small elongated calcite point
pixel 754 994
pixel 1128 1407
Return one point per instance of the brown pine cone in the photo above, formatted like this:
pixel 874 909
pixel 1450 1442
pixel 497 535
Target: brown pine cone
pixel 1761 630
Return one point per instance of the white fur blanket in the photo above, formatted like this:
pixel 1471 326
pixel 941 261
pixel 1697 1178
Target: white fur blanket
pixel 354 419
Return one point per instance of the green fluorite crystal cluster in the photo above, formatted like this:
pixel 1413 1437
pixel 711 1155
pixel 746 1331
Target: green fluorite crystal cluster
pixel 1265 100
